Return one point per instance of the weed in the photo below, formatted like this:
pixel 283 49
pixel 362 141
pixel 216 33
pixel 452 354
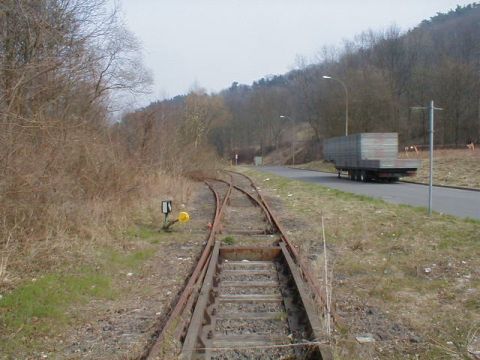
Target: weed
pixel 131 260
pixel 229 240
pixel 473 304
pixel 357 245
pixel 455 337
pixel 281 316
pixel 145 232
pixel 472 221
pixel 42 307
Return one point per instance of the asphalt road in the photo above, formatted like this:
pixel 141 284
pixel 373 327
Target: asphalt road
pixel 462 203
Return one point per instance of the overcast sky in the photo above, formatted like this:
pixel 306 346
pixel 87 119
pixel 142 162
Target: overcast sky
pixel 216 42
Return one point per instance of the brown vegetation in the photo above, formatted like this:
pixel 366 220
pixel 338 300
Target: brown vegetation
pixel 453 167
pixel 61 173
pixel 67 175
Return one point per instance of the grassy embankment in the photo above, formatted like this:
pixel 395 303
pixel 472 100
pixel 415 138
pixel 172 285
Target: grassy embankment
pixel 45 285
pixel 419 273
pixel 42 307
pixel 451 167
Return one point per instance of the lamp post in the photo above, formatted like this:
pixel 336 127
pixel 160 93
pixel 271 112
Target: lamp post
pixel 346 100
pixel 293 136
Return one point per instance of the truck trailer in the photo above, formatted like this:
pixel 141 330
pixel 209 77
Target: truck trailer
pixel 369 156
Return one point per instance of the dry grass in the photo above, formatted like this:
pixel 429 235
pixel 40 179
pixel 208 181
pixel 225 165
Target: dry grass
pixel 451 167
pixel 74 230
pixel 319 165
pixel 410 280
pixel 71 188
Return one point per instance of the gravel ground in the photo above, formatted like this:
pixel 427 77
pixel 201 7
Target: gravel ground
pixel 247 265
pixel 248 277
pixel 245 307
pixel 260 354
pixel 246 327
pixel 234 240
pixel 256 290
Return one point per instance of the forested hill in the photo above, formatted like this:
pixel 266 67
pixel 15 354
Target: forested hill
pixel 386 73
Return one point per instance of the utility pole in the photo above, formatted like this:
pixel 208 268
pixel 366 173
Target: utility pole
pixel 431 109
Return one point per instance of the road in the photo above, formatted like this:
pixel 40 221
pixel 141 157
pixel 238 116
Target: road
pixel 461 203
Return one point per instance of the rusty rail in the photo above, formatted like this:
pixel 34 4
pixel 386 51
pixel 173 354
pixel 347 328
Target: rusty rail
pixel 196 285
pixel 305 268
pixel 297 269
pixel 256 201
pixel 192 282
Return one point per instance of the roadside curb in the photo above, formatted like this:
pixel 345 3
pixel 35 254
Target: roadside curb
pixel 442 186
pixel 403 181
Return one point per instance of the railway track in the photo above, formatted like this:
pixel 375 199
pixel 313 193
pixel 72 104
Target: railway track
pixel 250 295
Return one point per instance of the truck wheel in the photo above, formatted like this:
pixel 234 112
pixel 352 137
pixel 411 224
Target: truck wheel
pixel 363 176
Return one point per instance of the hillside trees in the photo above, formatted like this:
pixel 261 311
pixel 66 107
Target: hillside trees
pixel 267 104
pixel 176 135
pixel 457 85
pixel 242 127
pixel 202 114
pixel 386 73
pixel 308 100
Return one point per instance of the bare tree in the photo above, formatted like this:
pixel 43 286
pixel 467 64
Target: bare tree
pixel 202 113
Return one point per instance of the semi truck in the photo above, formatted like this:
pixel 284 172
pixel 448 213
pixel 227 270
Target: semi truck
pixel 369 157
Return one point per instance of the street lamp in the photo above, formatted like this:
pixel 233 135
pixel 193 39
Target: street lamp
pixel 346 100
pixel 293 136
